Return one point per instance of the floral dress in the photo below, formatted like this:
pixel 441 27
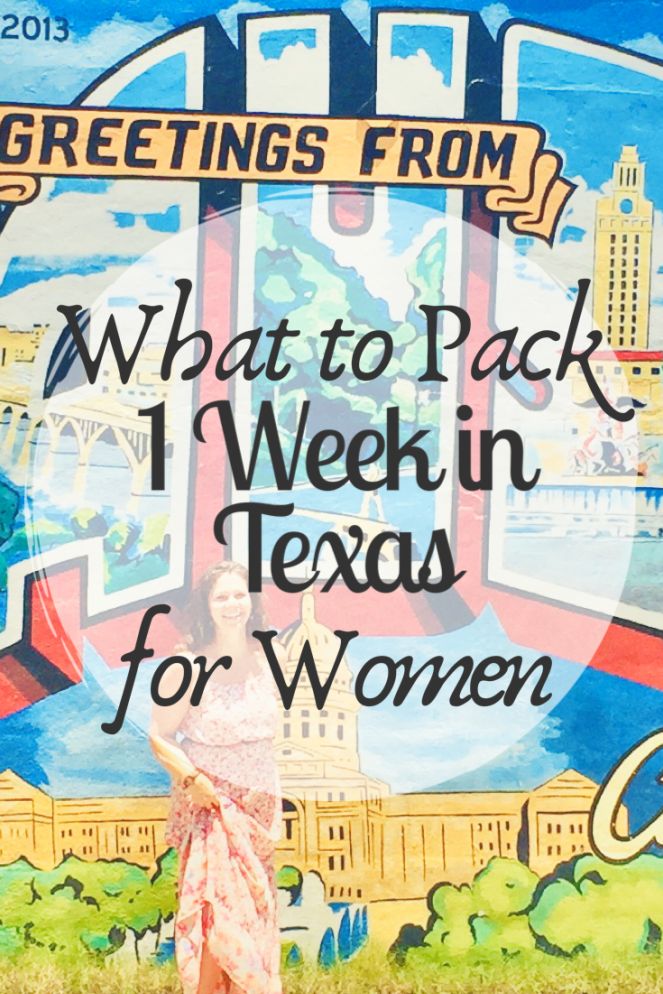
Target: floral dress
pixel 227 892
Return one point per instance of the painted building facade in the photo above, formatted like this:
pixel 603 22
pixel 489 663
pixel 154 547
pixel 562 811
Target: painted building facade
pixel 19 346
pixel 45 830
pixel 394 847
pixel 632 373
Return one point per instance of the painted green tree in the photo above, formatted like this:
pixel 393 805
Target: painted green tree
pixel 290 878
pixel 488 916
pixel 587 907
pixel 94 907
pixel 602 908
pixel 298 278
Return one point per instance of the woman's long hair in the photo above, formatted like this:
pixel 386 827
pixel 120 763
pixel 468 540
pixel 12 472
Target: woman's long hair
pixel 198 628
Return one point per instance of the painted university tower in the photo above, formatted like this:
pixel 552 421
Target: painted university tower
pixel 622 276
pixel 622 256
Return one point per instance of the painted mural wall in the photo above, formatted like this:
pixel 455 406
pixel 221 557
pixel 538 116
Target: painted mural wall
pixel 370 300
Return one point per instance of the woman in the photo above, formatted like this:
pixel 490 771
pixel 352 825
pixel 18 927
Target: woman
pixel 226 810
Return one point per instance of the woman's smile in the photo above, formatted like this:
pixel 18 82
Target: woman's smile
pixel 230 601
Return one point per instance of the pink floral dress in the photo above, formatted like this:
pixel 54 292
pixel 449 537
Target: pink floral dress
pixel 227 892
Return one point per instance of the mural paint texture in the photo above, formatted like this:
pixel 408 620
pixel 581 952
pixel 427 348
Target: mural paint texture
pixel 370 300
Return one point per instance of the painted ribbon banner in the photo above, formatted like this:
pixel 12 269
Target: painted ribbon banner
pixel 508 160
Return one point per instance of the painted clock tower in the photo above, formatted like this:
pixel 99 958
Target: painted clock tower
pixel 622 256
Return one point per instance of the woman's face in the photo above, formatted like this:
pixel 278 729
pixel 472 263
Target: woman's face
pixel 230 603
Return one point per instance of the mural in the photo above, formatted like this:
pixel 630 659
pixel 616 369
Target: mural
pixel 437 814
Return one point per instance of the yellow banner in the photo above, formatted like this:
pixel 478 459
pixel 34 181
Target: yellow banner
pixel 520 178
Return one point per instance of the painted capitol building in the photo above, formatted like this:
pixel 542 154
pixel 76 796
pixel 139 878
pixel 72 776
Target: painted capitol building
pixel 366 843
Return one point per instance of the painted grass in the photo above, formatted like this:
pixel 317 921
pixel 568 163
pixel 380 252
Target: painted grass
pixel 368 973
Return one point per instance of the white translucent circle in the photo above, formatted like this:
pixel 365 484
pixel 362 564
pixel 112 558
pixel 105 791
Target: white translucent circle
pixel 313 257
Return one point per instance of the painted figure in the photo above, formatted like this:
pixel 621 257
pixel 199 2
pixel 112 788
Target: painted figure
pixel 226 805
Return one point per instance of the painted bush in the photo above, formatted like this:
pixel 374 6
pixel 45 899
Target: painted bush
pixel 80 907
pixel 587 906
pixel 602 908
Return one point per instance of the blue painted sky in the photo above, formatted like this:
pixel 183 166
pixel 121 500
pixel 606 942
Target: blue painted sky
pixel 82 185
pixel 436 41
pixel 590 729
pixel 574 98
pixel 274 43
pixel 57 744
pixel 120 28
pixel 24 270
pixel 600 20
pixel 164 85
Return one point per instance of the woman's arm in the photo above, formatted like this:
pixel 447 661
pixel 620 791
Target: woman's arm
pixel 164 725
